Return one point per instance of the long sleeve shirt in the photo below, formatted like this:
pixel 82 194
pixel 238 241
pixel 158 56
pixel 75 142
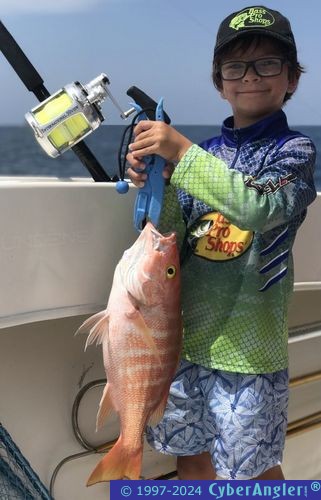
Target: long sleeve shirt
pixel 236 202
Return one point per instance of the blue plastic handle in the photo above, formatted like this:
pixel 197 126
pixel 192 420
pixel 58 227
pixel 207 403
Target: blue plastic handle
pixel 149 199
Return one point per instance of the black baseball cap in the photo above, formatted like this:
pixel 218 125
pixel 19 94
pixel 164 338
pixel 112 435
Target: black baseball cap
pixel 256 20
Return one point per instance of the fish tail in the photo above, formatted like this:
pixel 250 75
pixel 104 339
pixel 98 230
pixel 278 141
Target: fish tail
pixel 118 463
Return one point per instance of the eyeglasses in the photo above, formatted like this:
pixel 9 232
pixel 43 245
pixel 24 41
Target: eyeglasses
pixel 265 66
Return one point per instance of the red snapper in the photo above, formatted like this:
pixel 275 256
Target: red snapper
pixel 141 336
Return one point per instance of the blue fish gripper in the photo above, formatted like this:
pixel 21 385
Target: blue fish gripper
pixel 149 199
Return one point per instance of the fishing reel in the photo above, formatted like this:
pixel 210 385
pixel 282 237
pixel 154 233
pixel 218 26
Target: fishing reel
pixel 69 115
pixel 61 121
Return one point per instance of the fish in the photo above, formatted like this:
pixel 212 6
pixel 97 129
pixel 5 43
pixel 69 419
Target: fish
pixel 141 336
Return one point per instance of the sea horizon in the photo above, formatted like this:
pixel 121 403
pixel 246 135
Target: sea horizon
pixel 21 155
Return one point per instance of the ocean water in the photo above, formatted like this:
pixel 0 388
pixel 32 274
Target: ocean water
pixel 21 155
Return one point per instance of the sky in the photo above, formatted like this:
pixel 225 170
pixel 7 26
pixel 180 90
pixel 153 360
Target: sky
pixel 165 47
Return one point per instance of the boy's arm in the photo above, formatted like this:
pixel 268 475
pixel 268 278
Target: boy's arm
pixel 172 216
pixel 282 190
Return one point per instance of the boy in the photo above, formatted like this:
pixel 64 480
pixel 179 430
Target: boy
pixel 236 202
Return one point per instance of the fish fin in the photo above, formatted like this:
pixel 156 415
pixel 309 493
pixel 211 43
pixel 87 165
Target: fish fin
pixel 118 463
pixel 157 414
pixel 99 331
pixel 138 321
pixel 105 407
pixel 97 325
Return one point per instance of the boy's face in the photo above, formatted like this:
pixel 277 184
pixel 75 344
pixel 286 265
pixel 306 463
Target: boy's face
pixel 254 97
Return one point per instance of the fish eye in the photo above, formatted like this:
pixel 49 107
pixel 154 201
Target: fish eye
pixel 171 272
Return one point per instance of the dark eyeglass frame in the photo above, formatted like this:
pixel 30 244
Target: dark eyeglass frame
pixel 252 64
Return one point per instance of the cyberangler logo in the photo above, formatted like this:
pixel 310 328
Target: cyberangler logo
pixel 255 17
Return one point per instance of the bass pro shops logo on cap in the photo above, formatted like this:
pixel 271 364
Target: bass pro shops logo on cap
pixel 255 17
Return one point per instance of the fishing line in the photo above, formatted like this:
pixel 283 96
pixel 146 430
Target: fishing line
pixel 124 144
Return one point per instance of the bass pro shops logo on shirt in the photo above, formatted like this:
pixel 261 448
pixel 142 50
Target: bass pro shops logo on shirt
pixel 213 237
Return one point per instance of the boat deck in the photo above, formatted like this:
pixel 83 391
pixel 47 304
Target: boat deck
pixel 58 256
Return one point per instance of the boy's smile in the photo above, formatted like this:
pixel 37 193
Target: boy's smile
pixel 254 97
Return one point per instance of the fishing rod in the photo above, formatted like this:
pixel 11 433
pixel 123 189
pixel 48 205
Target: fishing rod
pixel 65 133
pixel 64 118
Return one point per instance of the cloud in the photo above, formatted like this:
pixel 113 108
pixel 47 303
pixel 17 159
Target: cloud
pixel 46 6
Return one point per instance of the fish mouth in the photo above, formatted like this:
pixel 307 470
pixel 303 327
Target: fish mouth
pixel 162 242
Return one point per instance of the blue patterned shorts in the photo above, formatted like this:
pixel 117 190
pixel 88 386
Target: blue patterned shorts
pixel 240 419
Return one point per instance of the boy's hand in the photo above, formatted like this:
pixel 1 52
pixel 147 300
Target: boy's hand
pixel 155 137
pixel 136 172
pixel 158 138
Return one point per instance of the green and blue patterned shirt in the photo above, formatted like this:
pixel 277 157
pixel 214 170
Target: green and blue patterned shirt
pixel 236 202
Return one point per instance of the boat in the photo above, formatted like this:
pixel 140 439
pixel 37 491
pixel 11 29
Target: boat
pixel 60 240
